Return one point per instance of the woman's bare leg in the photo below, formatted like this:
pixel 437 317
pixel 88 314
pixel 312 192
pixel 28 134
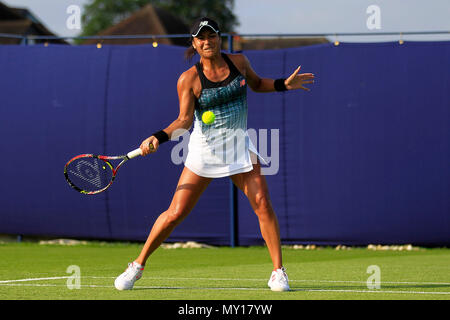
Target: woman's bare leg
pixel 254 186
pixel 189 189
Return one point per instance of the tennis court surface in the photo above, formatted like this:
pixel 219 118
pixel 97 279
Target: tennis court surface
pixel 87 271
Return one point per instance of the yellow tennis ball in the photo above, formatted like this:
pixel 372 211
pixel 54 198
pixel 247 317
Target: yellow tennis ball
pixel 208 117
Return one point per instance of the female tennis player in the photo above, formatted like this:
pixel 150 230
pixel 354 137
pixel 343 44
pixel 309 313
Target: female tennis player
pixel 217 83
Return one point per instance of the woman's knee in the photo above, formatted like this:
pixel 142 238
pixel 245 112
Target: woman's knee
pixel 262 204
pixel 174 216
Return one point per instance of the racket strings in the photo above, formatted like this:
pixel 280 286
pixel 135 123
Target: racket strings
pixel 89 174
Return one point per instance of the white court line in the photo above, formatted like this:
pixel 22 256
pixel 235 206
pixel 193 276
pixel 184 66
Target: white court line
pixel 33 279
pixel 290 280
pixel 371 291
pixel 14 283
pixel 228 279
pixel 230 288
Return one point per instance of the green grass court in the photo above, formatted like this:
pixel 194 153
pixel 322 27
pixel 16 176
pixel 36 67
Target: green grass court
pixel 33 271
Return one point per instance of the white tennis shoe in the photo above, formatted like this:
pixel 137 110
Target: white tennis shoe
pixel 127 279
pixel 279 280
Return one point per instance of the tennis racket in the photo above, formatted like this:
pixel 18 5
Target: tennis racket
pixel 92 174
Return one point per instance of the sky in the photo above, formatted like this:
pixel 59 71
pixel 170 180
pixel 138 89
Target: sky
pixel 298 16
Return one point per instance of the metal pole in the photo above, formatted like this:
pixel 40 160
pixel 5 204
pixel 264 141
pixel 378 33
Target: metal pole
pixel 234 236
pixel 27 38
pixel 24 41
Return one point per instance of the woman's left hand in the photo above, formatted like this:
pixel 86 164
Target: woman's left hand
pixel 296 81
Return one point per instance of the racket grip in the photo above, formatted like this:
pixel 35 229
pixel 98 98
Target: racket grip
pixel 134 153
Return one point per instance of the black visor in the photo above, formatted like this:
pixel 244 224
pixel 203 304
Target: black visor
pixel 204 22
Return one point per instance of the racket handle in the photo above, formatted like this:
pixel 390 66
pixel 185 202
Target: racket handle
pixel 134 153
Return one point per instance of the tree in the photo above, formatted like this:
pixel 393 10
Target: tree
pixel 101 14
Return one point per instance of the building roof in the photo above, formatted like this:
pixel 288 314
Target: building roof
pixel 21 21
pixel 241 44
pixel 148 20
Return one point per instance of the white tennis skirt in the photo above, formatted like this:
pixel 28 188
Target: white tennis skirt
pixel 225 154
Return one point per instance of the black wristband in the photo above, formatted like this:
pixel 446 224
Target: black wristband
pixel 279 85
pixel 162 136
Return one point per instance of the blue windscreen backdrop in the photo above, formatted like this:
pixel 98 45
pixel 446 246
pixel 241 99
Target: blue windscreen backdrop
pixel 364 157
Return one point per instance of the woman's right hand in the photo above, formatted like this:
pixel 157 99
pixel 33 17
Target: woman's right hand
pixel 149 145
